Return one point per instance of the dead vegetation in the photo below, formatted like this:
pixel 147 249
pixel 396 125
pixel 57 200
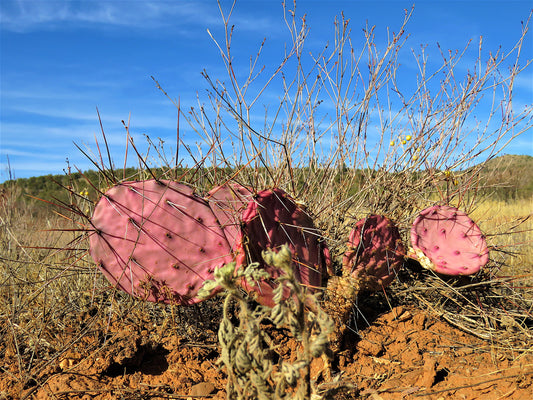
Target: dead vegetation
pixel 59 316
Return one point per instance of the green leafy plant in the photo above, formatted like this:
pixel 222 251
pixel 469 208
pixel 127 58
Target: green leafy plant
pixel 247 349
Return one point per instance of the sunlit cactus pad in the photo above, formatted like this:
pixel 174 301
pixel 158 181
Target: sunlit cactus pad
pixel 447 241
pixel 157 240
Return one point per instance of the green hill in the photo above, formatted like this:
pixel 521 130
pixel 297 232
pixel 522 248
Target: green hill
pixel 506 177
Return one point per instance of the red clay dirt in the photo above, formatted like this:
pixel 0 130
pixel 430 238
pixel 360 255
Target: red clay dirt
pixel 400 354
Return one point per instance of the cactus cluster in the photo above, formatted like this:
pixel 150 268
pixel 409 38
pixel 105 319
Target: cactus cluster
pixel 158 240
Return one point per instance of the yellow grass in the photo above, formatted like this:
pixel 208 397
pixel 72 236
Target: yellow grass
pixel 509 227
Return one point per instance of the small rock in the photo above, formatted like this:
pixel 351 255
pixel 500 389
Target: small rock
pixel 393 315
pixel 202 389
pixel 369 348
pixel 419 320
pixel 427 378
pixel 396 312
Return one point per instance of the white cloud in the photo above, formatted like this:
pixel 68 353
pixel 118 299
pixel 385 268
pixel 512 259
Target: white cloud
pixel 54 112
pixel 11 151
pixel 24 15
pixel 30 15
pixel 41 165
pixel 39 134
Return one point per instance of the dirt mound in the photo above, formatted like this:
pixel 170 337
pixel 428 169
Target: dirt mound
pixel 401 354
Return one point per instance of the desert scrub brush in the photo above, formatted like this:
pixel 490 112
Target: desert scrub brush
pixel 247 349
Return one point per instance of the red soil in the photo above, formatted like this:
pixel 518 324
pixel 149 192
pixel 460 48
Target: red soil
pixel 401 354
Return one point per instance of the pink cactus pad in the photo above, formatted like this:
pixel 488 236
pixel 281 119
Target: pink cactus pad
pixel 448 242
pixel 228 202
pixel 375 253
pixel 157 240
pixel 272 219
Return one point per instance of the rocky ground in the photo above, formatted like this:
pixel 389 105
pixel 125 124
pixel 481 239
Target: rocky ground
pixel 402 353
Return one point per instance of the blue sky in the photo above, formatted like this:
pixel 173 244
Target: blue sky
pixel 61 59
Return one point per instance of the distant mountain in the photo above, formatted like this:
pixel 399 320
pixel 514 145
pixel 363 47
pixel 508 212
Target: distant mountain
pixel 508 176
pixel 505 177
pixel 509 161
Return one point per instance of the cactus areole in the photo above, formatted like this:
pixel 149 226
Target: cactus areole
pixel 157 240
pixel 447 241
pixel 375 253
pixel 271 220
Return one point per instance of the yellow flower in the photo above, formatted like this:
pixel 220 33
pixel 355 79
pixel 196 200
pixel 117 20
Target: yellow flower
pixel 392 142
pixel 415 157
pixel 408 137
pixel 404 142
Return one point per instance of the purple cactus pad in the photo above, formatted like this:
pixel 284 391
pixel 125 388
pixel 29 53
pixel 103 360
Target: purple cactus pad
pixel 375 252
pixel 271 220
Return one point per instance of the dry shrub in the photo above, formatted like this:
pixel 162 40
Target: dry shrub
pixel 347 137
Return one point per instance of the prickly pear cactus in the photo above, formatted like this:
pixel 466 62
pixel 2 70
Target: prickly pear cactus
pixel 157 240
pixel 374 256
pixel 375 252
pixel 271 220
pixel 445 240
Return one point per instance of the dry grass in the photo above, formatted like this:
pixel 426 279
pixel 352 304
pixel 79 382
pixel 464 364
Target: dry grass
pixel 47 279
pixel 510 228
pixel 43 293
pixel 53 301
pixel 497 304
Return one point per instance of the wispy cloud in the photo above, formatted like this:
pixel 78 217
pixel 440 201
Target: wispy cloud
pixel 23 16
pixel 30 15
pixel 28 137
pixel 524 81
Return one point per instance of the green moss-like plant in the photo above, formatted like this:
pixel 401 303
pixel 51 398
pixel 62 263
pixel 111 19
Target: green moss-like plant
pixel 246 348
